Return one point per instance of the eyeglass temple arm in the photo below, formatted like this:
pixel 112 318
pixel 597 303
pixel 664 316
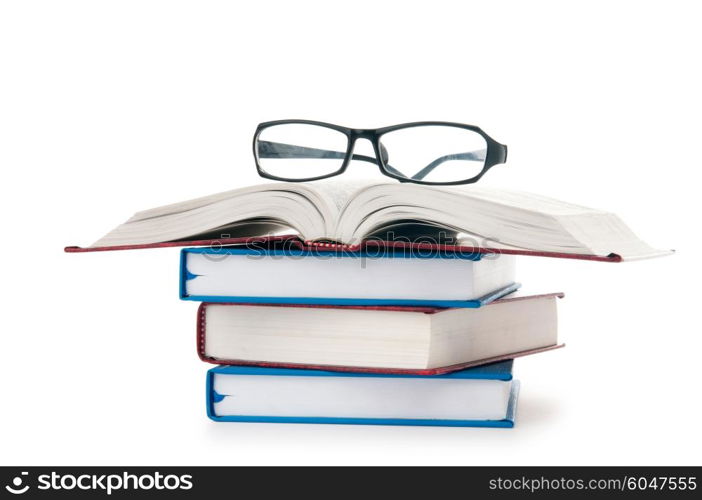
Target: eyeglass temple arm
pixel 268 149
pixel 479 155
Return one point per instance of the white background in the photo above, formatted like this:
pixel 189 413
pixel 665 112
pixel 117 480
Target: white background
pixel 107 108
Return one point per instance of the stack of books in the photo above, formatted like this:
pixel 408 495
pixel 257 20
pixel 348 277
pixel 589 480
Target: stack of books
pixel 385 306
pixel 393 337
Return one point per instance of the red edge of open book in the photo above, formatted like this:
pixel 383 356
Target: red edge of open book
pixel 295 242
pixel 200 340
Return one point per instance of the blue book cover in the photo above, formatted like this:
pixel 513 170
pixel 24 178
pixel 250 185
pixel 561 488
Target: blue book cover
pixel 441 270
pixel 239 383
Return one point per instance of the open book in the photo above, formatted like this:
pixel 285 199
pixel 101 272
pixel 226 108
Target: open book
pixel 350 214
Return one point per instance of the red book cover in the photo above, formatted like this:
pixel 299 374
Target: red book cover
pixel 293 242
pixel 201 345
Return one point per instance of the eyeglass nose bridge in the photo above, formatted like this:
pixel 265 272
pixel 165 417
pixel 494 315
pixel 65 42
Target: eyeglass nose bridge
pixel 363 133
pixel 380 152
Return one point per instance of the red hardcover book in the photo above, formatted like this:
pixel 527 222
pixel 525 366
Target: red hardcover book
pixel 293 241
pixel 268 329
pixel 353 217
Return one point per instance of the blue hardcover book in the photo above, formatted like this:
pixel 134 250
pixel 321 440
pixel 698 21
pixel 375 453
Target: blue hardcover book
pixel 484 396
pixel 384 278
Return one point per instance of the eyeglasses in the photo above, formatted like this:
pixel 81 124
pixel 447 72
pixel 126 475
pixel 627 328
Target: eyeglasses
pixel 439 153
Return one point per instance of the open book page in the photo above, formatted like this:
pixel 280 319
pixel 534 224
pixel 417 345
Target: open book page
pixel 493 219
pixel 308 209
pixel 349 212
pixel 297 206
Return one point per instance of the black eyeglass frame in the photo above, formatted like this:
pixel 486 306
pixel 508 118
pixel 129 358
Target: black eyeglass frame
pixel 496 152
